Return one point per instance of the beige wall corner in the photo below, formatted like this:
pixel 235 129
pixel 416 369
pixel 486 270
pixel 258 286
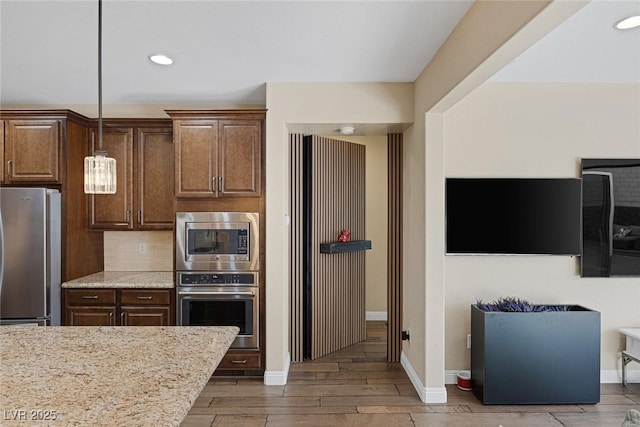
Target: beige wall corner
pixel 470 55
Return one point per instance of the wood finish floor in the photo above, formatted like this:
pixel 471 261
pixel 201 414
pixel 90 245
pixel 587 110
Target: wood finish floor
pixel 357 387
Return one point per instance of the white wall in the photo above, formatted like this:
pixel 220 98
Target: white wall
pixel 538 130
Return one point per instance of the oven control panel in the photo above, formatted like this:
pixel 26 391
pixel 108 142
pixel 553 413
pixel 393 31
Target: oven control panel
pixel 190 279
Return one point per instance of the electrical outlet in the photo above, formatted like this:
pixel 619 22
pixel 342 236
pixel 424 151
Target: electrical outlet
pixel 406 335
pixel 142 248
pixel 468 341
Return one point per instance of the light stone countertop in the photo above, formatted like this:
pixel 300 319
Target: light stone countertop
pixel 106 376
pixel 124 279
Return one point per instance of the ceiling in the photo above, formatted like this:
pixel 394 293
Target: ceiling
pixel 225 51
pixel 586 48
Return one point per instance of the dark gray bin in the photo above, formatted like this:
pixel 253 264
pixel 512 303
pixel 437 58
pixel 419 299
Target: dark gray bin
pixel 536 358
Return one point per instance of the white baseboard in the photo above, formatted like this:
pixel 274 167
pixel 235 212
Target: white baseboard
pixel 278 377
pixel 377 315
pixel 606 376
pixel 615 376
pixel 427 395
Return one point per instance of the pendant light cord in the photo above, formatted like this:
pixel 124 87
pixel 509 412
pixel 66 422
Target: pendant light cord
pixel 100 149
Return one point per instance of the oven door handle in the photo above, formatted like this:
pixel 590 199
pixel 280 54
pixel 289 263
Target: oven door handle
pixel 216 293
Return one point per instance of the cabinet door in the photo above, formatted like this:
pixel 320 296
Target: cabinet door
pixel 240 158
pixel 90 316
pixel 114 211
pixel 144 316
pixel 237 360
pixel 154 184
pixel 32 150
pixel 196 146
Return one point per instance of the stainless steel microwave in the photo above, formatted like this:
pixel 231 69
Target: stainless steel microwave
pixel 220 241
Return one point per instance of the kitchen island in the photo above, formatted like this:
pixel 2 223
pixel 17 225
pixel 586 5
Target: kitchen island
pixel 106 376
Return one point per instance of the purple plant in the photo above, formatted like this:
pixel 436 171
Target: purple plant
pixel 512 304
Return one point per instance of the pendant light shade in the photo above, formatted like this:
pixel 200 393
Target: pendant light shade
pixel 99 174
pixel 99 170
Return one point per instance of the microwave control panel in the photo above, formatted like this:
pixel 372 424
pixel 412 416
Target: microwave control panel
pixel 190 279
pixel 242 242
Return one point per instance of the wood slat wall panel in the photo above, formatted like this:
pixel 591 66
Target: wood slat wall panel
pixel 338 174
pixel 394 274
pixel 296 344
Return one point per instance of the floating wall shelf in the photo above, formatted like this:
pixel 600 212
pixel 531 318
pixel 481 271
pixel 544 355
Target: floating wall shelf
pixel 340 247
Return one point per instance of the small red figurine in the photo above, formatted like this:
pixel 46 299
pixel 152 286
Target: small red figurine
pixel 345 236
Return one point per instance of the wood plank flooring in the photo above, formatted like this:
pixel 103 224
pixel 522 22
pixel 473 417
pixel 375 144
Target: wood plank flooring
pixel 357 387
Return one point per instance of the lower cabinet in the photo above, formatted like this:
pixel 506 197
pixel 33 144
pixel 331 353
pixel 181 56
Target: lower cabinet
pixel 118 307
pixel 144 316
pixel 90 316
pixel 240 360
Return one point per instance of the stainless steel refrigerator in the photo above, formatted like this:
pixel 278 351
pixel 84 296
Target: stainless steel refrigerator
pixel 30 263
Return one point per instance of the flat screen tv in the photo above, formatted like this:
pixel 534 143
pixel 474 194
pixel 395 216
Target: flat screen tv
pixel 513 216
pixel 610 217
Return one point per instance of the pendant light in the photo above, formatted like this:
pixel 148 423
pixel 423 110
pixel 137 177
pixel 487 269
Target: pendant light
pixel 99 170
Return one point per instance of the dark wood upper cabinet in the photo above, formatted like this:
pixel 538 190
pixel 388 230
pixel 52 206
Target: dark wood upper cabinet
pixel 154 179
pixel 144 168
pixel 196 158
pixel 240 159
pixel 32 151
pixel 218 153
pixel 114 211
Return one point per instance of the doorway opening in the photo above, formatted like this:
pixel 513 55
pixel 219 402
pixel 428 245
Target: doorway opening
pixel 304 292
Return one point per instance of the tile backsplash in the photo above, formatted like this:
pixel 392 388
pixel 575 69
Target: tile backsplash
pixel 138 251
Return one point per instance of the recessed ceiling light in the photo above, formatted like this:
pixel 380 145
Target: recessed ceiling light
pixel 347 130
pixel 629 23
pixel 161 59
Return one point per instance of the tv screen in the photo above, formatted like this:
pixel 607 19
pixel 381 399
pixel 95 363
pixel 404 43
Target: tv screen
pixel 513 216
pixel 610 217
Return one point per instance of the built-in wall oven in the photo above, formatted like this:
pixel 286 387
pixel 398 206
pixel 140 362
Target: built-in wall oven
pixel 217 278
pixel 220 299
